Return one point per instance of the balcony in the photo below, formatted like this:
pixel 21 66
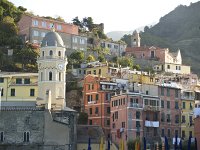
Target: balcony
pixel 135 105
pixel 92 102
pixel 187 97
pixel 52 57
pixel 151 108
pixel 154 124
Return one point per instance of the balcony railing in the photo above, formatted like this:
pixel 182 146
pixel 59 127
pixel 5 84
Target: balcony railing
pixel 52 57
pixel 152 124
pixel 187 97
pixel 135 105
pixel 151 108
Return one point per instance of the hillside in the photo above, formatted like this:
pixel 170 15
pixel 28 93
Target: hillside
pixel 178 29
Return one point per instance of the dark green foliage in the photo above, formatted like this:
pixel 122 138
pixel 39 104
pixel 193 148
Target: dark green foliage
pixel 101 58
pixel 127 39
pixel 82 118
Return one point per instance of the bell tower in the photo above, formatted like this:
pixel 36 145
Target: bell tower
pixel 52 68
pixel 135 39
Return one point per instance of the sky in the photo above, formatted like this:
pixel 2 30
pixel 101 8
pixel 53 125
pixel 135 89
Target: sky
pixel 117 15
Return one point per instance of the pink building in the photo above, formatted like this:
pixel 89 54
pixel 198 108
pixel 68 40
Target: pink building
pixel 135 115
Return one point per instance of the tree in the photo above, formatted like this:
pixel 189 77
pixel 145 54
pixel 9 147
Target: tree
pixel 125 61
pixel 78 56
pixel 82 118
pixel 101 58
pixel 90 58
pixel 88 23
pixel 77 22
pixel 127 39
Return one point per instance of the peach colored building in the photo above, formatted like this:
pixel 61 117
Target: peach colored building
pixel 34 28
pixel 97 93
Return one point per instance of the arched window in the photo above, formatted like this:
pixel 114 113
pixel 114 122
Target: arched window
pixel 41 76
pixel 59 76
pixel 50 76
pixel 50 53
pixel 59 53
pixel 42 53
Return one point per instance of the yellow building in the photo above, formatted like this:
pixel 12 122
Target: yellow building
pixel 187 124
pixel 95 68
pixel 142 78
pixel 18 87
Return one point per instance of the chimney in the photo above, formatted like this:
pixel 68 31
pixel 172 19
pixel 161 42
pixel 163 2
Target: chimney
pixel 48 100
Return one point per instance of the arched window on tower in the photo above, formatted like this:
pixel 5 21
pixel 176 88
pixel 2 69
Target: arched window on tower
pixel 50 76
pixel 41 76
pixel 42 53
pixel 50 53
pixel 59 53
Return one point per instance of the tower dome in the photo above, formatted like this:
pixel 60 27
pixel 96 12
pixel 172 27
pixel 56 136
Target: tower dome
pixel 52 39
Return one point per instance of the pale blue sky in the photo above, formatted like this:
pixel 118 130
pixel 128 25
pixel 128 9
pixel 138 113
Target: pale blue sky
pixel 117 15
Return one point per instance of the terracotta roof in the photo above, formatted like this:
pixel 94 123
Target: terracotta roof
pixel 142 48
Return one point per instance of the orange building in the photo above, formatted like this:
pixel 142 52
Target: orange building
pixel 97 93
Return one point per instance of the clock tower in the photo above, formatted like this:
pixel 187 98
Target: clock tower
pixel 52 68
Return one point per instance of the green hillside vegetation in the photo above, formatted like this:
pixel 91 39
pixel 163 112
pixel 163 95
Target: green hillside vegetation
pixel 179 29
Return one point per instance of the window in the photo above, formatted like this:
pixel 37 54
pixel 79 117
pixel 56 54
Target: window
pixel 35 23
pixel 107 122
pixel 59 76
pixel 59 53
pixel 96 110
pixel 168 104
pixel 44 24
pixel 163 117
pixel 90 111
pixel 108 96
pixel 26 136
pixel 59 27
pixel 147 92
pixel 12 92
pixel 168 66
pixel 97 97
pixel 176 93
pixel 19 81
pixel 124 101
pixel 2 92
pixel 168 92
pixel 90 122
pixel 190 119
pixel 183 103
pixel 35 33
pixel 190 133
pixel 41 76
pixel 43 34
pixel 108 110
pixel 163 133
pixel 183 134
pixel 94 72
pixel 50 76
pixel 82 41
pixel 89 98
pixel 51 25
pixel 1 80
pixel 32 92
pixel 137 123
pixel 74 40
pixel 1 136
pixel 27 81
pixel 177 119
pixel 137 115
pixel 99 71
pixel 162 104
pixel 168 132
pixel 176 105
pixel 183 119
pixel 123 124
pixel 176 133
pixel 162 91
pixel 92 86
pixel 42 53
pixel 116 115
pixel 50 53
pixel 191 106
pixel 168 118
